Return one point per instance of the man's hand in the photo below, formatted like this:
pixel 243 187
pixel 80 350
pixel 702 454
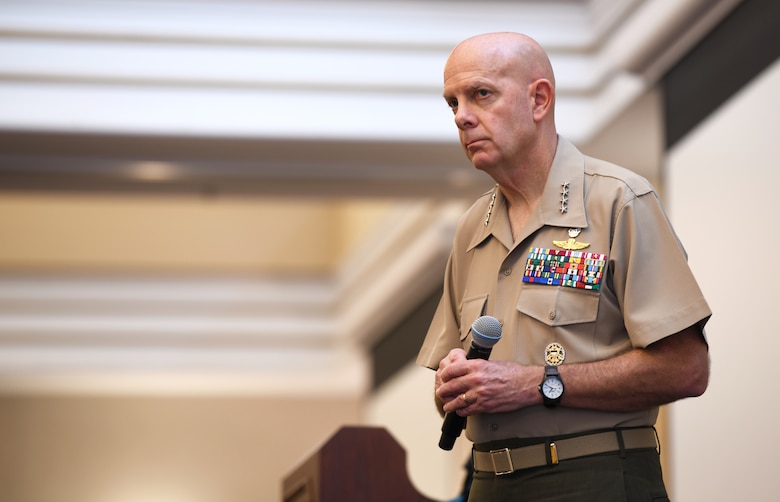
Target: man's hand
pixel 469 386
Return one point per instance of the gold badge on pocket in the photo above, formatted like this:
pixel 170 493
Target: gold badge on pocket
pixel 554 354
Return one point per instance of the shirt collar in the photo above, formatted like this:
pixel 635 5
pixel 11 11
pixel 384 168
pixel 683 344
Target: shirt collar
pixel 562 204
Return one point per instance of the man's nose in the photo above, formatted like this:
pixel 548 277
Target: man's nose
pixel 465 118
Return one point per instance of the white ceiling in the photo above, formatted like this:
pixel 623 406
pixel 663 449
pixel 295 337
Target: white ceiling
pixel 364 76
pixel 317 70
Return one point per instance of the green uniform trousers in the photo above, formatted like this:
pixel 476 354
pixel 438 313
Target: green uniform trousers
pixel 634 477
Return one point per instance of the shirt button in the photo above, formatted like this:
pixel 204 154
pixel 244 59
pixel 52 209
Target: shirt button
pixel 494 427
pixel 553 314
pixel 507 271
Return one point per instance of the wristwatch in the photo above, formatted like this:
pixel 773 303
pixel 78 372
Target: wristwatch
pixel 551 387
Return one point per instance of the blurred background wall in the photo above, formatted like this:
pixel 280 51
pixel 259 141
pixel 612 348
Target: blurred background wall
pixel 223 227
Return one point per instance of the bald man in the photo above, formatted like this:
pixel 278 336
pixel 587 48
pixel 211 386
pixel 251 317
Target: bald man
pixel 602 319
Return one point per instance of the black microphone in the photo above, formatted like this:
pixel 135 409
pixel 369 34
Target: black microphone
pixel 485 332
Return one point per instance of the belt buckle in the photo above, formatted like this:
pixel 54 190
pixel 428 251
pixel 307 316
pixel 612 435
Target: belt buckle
pixel 553 454
pixel 497 453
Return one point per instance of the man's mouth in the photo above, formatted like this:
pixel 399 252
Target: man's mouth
pixel 474 143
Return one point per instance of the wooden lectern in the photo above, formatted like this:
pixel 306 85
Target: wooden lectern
pixel 357 464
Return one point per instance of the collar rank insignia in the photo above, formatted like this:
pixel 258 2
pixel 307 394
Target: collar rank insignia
pixel 564 197
pixel 572 244
pixel 490 206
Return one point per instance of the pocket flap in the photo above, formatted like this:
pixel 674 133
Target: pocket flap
pixel 470 311
pixel 557 306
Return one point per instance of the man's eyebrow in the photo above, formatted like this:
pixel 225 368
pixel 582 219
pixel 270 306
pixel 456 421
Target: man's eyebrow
pixel 471 87
pixel 477 84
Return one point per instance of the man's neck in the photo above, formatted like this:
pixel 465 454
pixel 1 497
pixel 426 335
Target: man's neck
pixel 523 186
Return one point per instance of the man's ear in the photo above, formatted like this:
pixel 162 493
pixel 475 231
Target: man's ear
pixel 544 96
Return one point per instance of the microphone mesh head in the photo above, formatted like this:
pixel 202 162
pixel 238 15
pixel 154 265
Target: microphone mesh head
pixel 486 331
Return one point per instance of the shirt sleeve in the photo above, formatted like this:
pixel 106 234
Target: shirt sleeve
pixel 652 280
pixel 442 335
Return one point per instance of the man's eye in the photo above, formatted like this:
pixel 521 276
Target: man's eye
pixel 453 103
pixel 483 93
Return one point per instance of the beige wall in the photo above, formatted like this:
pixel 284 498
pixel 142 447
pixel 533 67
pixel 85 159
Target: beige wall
pixel 184 234
pixel 137 449
pixel 723 181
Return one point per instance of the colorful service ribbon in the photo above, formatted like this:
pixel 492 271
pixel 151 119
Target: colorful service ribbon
pixel 560 267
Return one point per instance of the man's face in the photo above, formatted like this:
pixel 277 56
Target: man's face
pixel 492 107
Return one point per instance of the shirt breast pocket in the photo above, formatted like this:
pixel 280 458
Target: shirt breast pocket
pixel 559 306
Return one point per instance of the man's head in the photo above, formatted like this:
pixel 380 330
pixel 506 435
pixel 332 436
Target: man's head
pixel 501 89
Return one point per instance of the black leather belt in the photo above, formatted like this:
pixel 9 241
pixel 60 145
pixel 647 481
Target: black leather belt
pixel 509 460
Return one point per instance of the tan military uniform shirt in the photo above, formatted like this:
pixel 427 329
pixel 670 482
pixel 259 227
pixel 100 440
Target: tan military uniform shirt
pixel 644 292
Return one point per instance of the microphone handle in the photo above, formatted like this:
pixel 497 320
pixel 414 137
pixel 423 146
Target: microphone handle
pixel 454 423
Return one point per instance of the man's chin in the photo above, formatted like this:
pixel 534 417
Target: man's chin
pixel 482 163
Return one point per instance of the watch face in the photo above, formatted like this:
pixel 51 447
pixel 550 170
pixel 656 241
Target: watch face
pixel 552 388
